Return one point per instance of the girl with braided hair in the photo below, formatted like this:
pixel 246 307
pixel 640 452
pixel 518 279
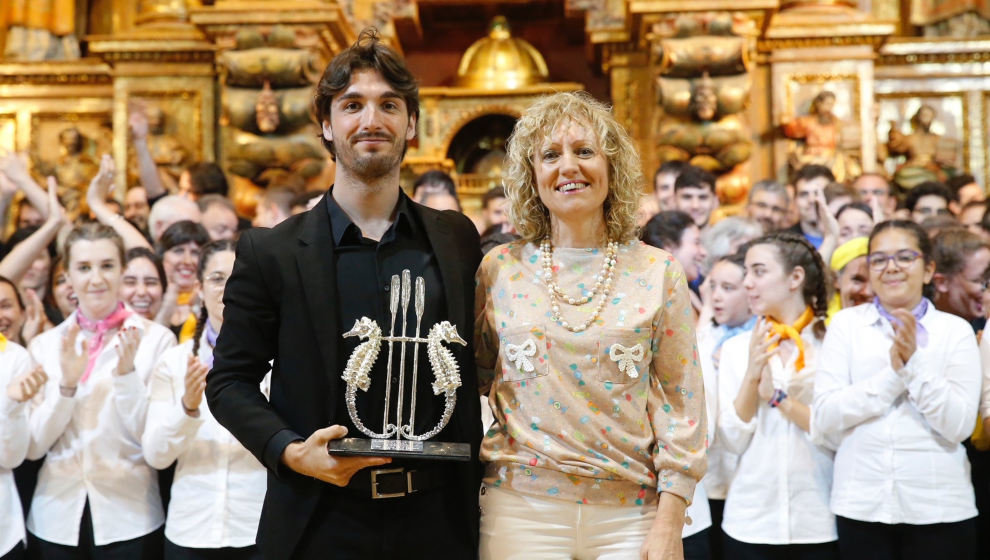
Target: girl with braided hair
pixel 219 486
pixel 777 503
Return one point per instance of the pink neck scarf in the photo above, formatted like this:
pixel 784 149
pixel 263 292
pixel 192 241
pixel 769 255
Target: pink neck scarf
pixel 112 321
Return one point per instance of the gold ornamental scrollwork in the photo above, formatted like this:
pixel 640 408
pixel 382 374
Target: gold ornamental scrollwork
pixel 932 58
pixel 158 56
pixel 769 45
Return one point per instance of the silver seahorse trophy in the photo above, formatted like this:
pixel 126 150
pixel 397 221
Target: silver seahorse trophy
pixel 398 437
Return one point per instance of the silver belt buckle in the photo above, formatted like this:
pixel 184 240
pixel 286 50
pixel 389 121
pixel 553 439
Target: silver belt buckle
pixel 376 495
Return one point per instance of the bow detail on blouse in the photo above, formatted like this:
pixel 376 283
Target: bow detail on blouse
pixel 626 358
pixel 519 355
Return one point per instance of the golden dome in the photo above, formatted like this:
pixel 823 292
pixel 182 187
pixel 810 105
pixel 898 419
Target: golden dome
pixel 500 61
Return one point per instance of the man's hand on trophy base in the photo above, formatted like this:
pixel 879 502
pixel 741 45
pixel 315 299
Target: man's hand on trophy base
pixel 310 458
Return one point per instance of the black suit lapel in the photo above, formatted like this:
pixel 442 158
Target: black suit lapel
pixel 319 281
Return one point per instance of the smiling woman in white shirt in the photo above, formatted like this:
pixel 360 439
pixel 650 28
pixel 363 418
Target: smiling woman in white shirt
pixel 777 503
pixel 20 383
pixel 899 391
pixel 219 486
pixel 96 497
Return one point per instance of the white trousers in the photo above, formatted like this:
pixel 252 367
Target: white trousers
pixel 518 526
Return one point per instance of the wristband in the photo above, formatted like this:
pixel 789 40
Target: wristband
pixel 67 392
pixel 189 412
pixel 778 397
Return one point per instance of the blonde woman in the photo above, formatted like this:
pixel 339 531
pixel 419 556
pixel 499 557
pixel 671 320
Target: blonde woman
pixel 599 433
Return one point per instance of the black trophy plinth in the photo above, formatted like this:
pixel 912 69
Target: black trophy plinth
pixel 407 449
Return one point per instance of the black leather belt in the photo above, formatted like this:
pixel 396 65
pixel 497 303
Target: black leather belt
pixel 397 482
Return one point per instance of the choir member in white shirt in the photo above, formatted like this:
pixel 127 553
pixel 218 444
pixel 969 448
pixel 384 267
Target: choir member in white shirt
pixel 21 383
pixel 899 391
pixel 777 503
pixel 728 307
pixel 219 486
pixel 96 496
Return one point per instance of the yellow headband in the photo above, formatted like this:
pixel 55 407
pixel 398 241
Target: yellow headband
pixel 848 251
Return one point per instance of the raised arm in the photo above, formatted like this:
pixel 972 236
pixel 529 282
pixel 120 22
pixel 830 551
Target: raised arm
pixel 147 170
pixel 96 197
pixel 171 426
pixel 19 259
pixel 51 416
pixel 7 191
pixel 15 167
pixel 18 389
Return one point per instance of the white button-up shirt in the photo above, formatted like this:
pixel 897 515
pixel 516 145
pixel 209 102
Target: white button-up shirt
pixel 899 459
pixel 93 443
pixel 219 486
pixel 779 494
pixel 14 361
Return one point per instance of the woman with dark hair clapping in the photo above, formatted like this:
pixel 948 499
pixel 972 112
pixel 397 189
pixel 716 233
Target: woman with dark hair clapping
pixel 899 392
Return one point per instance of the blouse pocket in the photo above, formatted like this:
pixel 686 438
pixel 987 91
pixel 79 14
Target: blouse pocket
pixel 523 353
pixel 624 355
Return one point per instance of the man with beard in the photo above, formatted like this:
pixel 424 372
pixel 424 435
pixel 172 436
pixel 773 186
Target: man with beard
pixel 298 287
pixel 767 203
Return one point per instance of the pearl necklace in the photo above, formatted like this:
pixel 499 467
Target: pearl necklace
pixel 603 283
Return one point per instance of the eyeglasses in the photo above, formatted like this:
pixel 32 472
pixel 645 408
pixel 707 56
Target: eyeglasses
pixel 933 211
pixel 217 280
pixel 903 258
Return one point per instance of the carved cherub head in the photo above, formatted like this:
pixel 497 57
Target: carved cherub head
pixel 266 109
pixel 704 99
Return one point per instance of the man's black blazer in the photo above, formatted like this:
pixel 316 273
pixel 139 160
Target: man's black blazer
pixel 279 304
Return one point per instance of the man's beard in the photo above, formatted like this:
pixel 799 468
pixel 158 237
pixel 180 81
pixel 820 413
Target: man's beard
pixel 373 165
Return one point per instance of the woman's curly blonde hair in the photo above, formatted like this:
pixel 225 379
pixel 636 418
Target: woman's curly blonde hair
pixel 526 211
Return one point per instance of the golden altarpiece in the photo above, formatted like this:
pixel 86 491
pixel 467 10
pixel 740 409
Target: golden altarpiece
pixel 746 88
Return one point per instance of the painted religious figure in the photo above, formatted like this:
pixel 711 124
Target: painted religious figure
pixel 927 156
pixel 819 136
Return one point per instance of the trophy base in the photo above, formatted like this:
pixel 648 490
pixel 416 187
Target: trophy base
pixel 432 450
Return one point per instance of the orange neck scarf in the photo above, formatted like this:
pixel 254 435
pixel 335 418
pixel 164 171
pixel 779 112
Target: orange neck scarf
pixel 793 332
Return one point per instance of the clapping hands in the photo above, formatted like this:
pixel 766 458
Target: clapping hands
pixel 25 386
